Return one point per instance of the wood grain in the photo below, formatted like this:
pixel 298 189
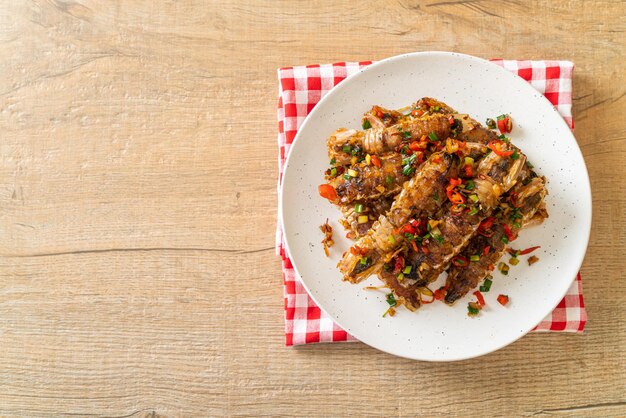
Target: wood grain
pixel 138 207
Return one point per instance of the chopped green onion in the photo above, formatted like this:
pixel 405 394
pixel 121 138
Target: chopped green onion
pixel 469 161
pixel 366 124
pixel 391 239
pixel 433 136
pixel 529 164
pixel 439 238
pixel 469 185
pixel 364 260
pixel 473 211
pixel 474 258
pixel 436 196
pixel 347 148
pixel 515 155
pixel 473 198
pixel 407 270
pixel 333 171
pixel 333 161
pixel 358 208
pixel 389 179
pixel 406 134
pixel 408 160
pixel 436 108
pixel 407 170
pixel 486 285
pixel 400 277
pixel 491 124
pixel 504 239
pixel 426 236
pixel 504 269
pixel 347 176
pixel 391 300
pixel 517 224
pixel 471 311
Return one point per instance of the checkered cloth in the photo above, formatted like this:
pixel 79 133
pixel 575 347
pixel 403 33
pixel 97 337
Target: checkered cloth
pixel 300 89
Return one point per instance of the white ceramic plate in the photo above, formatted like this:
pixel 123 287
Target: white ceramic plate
pixel 437 332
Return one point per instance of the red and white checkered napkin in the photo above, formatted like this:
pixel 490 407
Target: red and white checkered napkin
pixel 299 90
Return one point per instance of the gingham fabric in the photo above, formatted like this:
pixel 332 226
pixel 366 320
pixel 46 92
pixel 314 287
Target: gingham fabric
pixel 299 90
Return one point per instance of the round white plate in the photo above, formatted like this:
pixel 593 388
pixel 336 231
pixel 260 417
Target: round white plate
pixel 437 332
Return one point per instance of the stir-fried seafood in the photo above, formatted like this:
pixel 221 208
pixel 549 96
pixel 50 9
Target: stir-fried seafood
pixel 488 245
pixel 418 187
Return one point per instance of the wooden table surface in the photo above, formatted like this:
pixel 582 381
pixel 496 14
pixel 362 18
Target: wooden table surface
pixel 138 209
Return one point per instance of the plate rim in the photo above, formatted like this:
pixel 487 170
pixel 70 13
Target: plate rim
pixel 530 89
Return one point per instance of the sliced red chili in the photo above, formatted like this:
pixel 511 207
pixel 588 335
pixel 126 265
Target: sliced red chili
pixel 398 265
pixel 408 229
pixel 453 183
pixel 486 250
pixel 468 171
pixel 451 120
pixel 414 223
pixel 484 228
pixel 414 245
pixel 487 223
pixel 415 146
pixel 460 261
pixel 376 161
pixel 509 234
pixel 480 298
pixel 425 250
pixel 505 124
pixel 455 197
pixel 440 293
pixel 356 250
pixel 503 299
pixel 496 146
pixel 529 250
pixel 457 210
pixel 328 192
